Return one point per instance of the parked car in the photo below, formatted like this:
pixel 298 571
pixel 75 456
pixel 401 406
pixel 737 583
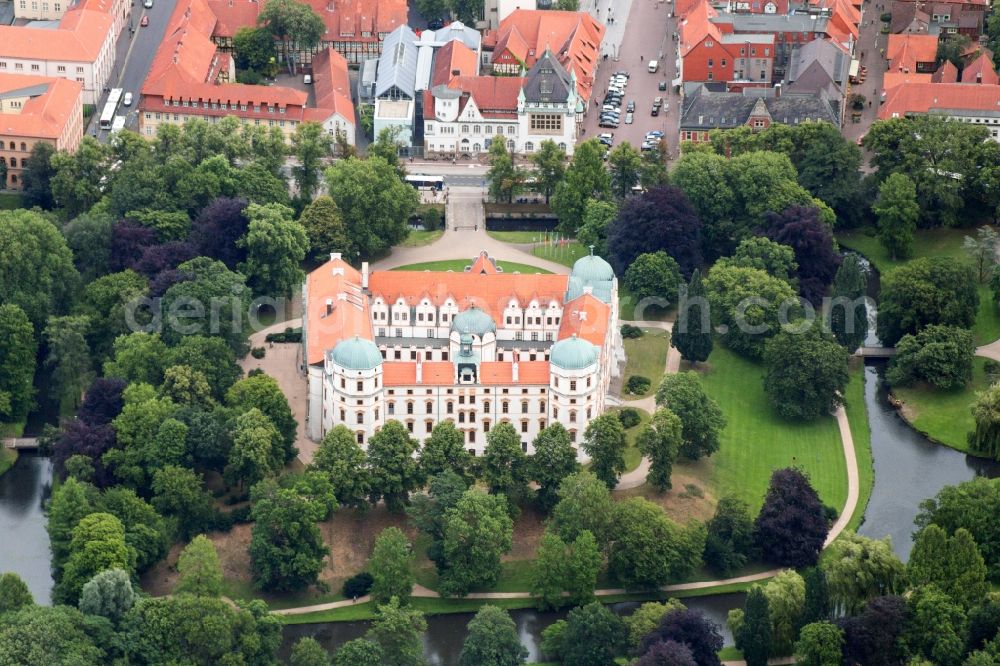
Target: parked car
pixel 622 73
pixel 145 21
pixel 608 122
pixel 628 118
pixel 662 85
pixel 606 139
pixel 656 133
pixel 630 107
pixel 658 101
pixel 609 107
pixel 655 111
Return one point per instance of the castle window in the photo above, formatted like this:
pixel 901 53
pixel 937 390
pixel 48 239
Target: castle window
pixel 361 418
pixel 361 386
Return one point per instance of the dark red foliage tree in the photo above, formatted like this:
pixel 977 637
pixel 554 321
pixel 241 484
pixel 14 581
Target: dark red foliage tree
pixel 80 438
pixel 872 637
pixel 165 280
pixel 800 228
pixel 159 258
pixel 691 629
pixel 102 402
pixel 129 240
pixel 791 526
pixel 217 228
pixel 667 653
pixel 659 219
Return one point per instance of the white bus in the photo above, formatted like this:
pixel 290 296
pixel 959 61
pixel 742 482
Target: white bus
pixel 423 182
pixel 108 114
pixel 118 124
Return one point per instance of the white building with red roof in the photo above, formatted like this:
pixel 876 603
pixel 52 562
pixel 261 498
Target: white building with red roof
pixel 478 348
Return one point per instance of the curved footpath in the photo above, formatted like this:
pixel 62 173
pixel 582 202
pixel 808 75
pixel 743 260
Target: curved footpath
pixel 636 478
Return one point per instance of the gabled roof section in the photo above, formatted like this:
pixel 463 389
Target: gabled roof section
pixel 50 105
pixel 980 71
pixel 451 60
pixel 907 17
pixel 331 85
pixel 696 26
pixel 705 109
pixel 397 66
pixel 585 317
pixel 495 96
pixel 945 98
pixel 547 81
pixel 905 51
pixel 946 73
pixel 336 308
pixel 79 37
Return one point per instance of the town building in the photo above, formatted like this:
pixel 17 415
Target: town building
pixel 478 348
pixel 962 102
pixel 80 47
pixel 912 53
pixel 192 78
pixel 354 28
pixel 465 114
pixel 396 85
pixel 496 11
pixel 37 109
pixel 757 108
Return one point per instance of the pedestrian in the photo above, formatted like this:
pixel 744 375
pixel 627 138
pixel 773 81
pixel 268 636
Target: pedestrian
pixel 869 104
pixel 640 58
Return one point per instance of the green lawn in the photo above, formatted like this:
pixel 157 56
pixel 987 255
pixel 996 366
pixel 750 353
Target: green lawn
pixel 756 441
pixel 566 253
pixel 632 455
pixel 7 458
pixel 944 416
pixel 10 201
pixel 515 576
pixel 626 308
pixel 857 415
pixel 458 266
pixel 647 357
pixel 931 243
pixel 239 589
pixel 519 237
pixel 418 238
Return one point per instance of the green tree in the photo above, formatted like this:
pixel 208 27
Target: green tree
pixel 445 450
pixel 939 355
pixel 76 183
pixel 309 145
pixel 985 437
pixel 653 275
pixel 374 202
pixel 308 652
pixel 982 250
pixel 586 179
pixel 584 504
pixel 505 467
pixel 936 628
pixel 704 179
pixel 71 501
pixel 427 511
pixel 553 461
pixel 648 548
pixel 36 177
pixel 108 594
pixel 394 471
pixel 198 568
pixel 660 440
pixel 594 636
pixel 505 179
pixel 107 301
pixel 593 230
pixel 755 637
pixel 848 316
pixel 275 244
pixel 773 258
pixel 816 607
pixel 386 145
pixel 36 272
pixel 212 284
pixel 390 567
pixel 477 532
pixel 146 532
pixel 18 350
pixel 565 572
pixel 625 165
pixel 98 543
pixel 137 358
pixel 397 630
pixel 925 291
pixel 14 593
pixel 550 166
pixel 692 334
pixel 806 373
pixel 860 569
pixel 286 548
pixel 256 452
pixel 360 652
pixel 43 635
pixel 293 23
pixel 68 358
pixel 324 228
pixel 492 640
pixel 254 49
pixel 183 385
pixel 954 564
pixel 178 492
pixel 262 391
pixel 343 461
pixel 646 618
pixel 820 644
pixel 729 538
pixel 605 442
pixel 701 417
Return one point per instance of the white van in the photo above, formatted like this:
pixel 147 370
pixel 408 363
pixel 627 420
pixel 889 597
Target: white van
pixel 127 99
pixel 654 65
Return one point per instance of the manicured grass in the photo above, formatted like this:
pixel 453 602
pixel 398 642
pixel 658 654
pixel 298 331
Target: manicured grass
pixel 418 238
pixel 632 455
pixel 458 266
pixel 730 653
pixel 10 201
pixel 647 357
pixel 932 243
pixel 757 441
pixel 519 237
pixel 561 253
pixel 515 576
pixel 239 589
pixel 627 308
pixel 857 416
pixel 7 458
pixel 944 416
pixel 12 429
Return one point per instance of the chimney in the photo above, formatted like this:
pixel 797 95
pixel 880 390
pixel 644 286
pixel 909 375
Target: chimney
pixel 420 372
pixel 329 307
pixel 364 275
pixel 513 372
pixel 979 77
pixel 334 256
pixel 777 91
pixel 456 72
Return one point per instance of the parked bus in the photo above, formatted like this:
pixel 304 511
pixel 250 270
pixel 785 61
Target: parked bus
pixel 108 114
pixel 423 182
pixel 118 124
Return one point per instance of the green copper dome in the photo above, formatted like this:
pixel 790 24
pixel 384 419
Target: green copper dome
pixel 592 268
pixel 573 354
pixel 356 354
pixel 474 321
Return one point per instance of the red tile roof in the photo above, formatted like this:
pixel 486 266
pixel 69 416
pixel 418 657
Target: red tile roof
pixel 404 373
pixel 586 317
pixel 336 308
pixel 43 116
pixel 331 85
pixel 495 96
pixel 451 58
pixel 502 372
pixel 696 26
pixel 905 51
pixel 928 97
pixel 344 19
pixel 80 36
pixel 946 73
pixel 980 71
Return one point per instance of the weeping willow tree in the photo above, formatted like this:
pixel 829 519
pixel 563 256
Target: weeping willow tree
pixel 986 413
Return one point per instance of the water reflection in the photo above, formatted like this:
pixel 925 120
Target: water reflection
pixel 908 468
pixel 24 547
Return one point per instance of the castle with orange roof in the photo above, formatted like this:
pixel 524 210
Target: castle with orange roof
pixel 478 348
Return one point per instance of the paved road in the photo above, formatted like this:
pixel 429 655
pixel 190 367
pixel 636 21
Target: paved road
pixel 870 43
pixel 133 58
